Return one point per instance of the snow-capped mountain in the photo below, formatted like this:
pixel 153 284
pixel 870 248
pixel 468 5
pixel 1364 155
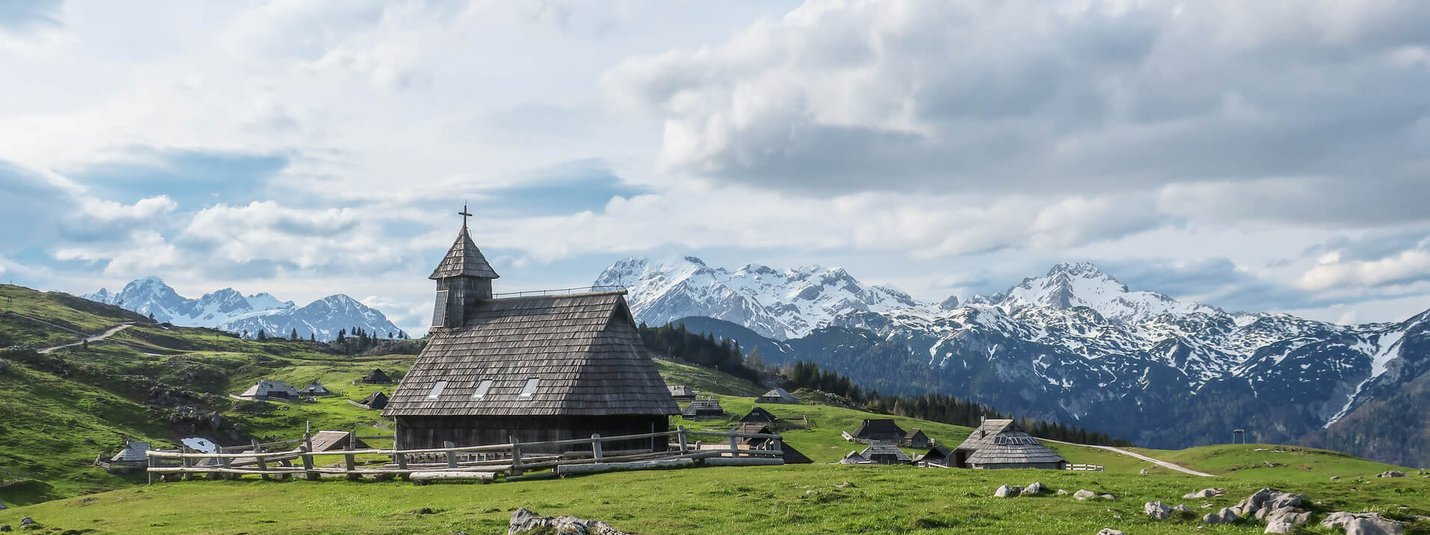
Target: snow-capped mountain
pixel 1073 345
pixel 229 310
pixel 777 304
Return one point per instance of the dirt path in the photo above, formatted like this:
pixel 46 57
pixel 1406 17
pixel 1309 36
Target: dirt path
pixel 1158 462
pixel 95 338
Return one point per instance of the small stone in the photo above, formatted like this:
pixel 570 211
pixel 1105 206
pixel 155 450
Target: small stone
pixel 1335 478
pixel 1182 509
pixel 1033 489
pixel 1225 516
pixel 1062 492
pixel 1110 531
pixel 1363 524
pixel 844 485
pixel 1107 497
pixel 1391 473
pixel 1143 472
pixel 1084 494
pixel 1286 520
pixel 5 527
pixel 1203 494
pixel 1006 491
pixel 1157 510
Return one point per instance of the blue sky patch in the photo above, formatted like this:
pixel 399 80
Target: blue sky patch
pixel 192 178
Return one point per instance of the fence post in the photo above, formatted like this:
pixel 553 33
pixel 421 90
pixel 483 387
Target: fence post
pixel 147 472
pixel 778 447
pixel 596 446
pixel 184 461
pixel 307 456
pixel 684 446
pixel 350 460
pixel 258 455
pixel 451 455
pixel 734 445
pixel 515 456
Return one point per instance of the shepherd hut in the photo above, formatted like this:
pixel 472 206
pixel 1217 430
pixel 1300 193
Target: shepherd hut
pixel 755 428
pixel 885 453
pixel 265 390
pixel 336 440
pixel 876 430
pixel 682 392
pixel 528 368
pixel 314 389
pixel 759 415
pixel 377 377
pixel 703 408
pixel 376 401
pixel 853 457
pixel 936 456
pixel 134 456
pixel 916 439
pixel 777 395
pixel 1001 444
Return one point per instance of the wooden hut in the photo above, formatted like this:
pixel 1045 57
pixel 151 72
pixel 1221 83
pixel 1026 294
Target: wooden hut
pixel 1001 444
pixel 134 456
pixel 759 415
pixel 885 453
pixel 876 430
pixel 777 395
pixel 265 390
pixel 375 401
pixel 755 428
pixel 335 440
pixel 703 408
pixel 853 457
pixel 793 456
pixel 915 439
pixel 936 456
pixel 682 392
pixel 529 368
pixel 314 389
pixel 377 377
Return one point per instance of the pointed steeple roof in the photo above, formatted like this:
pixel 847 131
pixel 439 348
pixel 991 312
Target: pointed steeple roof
pixel 464 259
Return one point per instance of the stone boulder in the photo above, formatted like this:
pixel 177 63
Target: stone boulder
pixel 1033 489
pixel 1225 516
pixel 1007 491
pixel 1391 473
pixel 524 521
pixel 1157 510
pixel 1263 501
pixel 1286 520
pixel 1203 494
pixel 1182 509
pixel 1110 531
pixel 1363 524
pixel 1084 494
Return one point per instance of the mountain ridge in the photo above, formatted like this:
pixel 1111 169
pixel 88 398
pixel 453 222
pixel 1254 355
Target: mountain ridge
pixel 229 310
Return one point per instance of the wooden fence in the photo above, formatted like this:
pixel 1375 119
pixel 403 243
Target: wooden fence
pixel 292 458
pixel 1085 467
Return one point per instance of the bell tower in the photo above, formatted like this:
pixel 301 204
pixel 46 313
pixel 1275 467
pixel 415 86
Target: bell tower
pixel 464 278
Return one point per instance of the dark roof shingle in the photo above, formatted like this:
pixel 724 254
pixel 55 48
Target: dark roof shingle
pixel 464 259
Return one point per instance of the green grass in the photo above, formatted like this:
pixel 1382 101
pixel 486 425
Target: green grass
pixel 790 499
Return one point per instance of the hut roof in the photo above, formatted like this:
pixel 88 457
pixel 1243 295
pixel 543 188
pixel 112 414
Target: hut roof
pixel 315 388
pixel 333 440
pixel 682 391
pixel 464 259
pixel 758 414
pixel 885 450
pixel 265 387
pixel 983 436
pixel 1014 447
pixel 877 427
pixel 702 407
pixel 778 395
pixel 133 452
pixel 853 457
pixel 536 356
pixel 915 433
pixel 753 428
pixel 375 396
pixel 793 456
pixel 935 453
pixel 377 376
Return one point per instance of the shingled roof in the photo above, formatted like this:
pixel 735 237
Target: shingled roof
pixel 464 259
pixel 983 436
pixel 536 356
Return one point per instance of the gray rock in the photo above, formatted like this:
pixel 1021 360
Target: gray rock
pixel 1006 491
pixel 1363 524
pixel 1143 472
pixel 1033 489
pixel 1084 494
pixel 1157 510
pixel 1225 516
pixel 1182 509
pixel 1107 497
pixel 1335 478
pixel 1391 473
pixel 4 527
pixel 1286 520
pixel 1062 492
pixel 1110 531
pixel 524 521
pixel 1263 501
pixel 1203 494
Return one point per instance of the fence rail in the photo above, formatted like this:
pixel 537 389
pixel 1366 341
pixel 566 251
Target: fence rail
pixel 484 462
pixel 1085 467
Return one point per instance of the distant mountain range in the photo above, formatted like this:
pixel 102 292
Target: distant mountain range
pixel 232 311
pixel 1072 345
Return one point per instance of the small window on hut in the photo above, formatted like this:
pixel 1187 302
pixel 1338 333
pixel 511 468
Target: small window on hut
pixel 439 312
pixel 482 389
pixel 437 389
pixel 530 388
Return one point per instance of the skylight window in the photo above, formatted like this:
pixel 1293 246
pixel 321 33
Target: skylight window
pixel 437 389
pixel 482 389
pixel 530 388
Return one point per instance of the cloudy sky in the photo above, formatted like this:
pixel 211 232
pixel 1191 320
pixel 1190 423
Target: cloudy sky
pixel 1270 155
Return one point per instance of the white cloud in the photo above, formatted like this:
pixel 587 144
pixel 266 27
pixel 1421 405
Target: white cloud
pixel 1333 273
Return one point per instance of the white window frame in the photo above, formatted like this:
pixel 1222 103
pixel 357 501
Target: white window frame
pixel 529 389
pixel 437 389
pixel 482 388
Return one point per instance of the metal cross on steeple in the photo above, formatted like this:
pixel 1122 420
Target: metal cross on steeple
pixel 465 214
